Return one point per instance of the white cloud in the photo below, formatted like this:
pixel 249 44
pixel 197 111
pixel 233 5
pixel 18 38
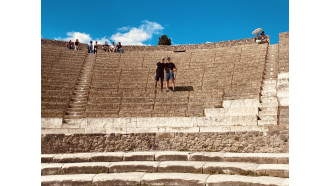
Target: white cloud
pixel 82 37
pixel 136 36
pixel 131 35
pixel 122 29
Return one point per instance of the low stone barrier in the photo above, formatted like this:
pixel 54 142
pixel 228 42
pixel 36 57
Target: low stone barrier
pixel 275 140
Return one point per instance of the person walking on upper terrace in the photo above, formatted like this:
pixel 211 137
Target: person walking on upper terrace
pixel 119 47
pixel 170 68
pixel 90 47
pixel 95 47
pixel 112 47
pixel 106 47
pixel 159 73
pixel 69 45
pixel 76 45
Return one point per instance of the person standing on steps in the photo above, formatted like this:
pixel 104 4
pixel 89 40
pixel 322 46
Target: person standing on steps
pixel 90 47
pixel 159 73
pixel 95 47
pixel 76 45
pixel 170 69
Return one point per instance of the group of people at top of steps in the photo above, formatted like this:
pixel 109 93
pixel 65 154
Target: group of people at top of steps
pixel 72 45
pixel 92 49
pixel 169 68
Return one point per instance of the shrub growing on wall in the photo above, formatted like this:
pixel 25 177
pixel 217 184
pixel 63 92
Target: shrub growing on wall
pixel 164 40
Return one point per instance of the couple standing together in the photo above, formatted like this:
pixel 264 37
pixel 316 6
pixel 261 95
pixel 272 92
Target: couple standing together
pixel 159 73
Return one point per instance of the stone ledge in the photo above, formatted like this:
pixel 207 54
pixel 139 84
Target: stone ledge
pixel 200 167
pixel 136 178
pixel 261 158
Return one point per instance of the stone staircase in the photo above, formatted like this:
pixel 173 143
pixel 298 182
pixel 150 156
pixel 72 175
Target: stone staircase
pixel 165 168
pixel 77 105
pixel 268 109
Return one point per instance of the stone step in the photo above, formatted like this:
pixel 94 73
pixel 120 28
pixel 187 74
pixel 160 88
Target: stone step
pixel 270 84
pixel 83 84
pixel 66 131
pixel 140 178
pixel 269 100
pixel 200 167
pixel 75 112
pixel 268 113
pixel 267 122
pixel 72 116
pixel 77 109
pixel 271 64
pixel 271 104
pixel 268 94
pixel 271 109
pixel 78 97
pixel 273 75
pixel 260 158
pixel 77 104
pixel 270 79
pixel 268 117
pixel 270 69
pixel 265 92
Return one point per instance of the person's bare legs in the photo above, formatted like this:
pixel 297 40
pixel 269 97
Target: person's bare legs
pixel 173 84
pixel 167 85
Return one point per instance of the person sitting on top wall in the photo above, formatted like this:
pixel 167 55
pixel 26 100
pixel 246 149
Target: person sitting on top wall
pixel 69 45
pixel 112 47
pixel 258 39
pixel 119 47
pixel 106 47
pixel 263 38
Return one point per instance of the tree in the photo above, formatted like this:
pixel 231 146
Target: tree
pixel 164 40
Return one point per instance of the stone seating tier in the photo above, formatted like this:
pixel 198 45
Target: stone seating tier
pixel 157 167
pixel 59 71
pixel 238 70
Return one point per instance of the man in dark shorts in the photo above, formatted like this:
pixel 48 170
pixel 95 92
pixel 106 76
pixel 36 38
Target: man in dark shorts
pixel 170 69
pixel 159 73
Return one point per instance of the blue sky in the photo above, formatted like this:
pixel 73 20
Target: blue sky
pixel 142 22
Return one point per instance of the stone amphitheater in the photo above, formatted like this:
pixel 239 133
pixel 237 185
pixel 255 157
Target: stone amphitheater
pixel 227 123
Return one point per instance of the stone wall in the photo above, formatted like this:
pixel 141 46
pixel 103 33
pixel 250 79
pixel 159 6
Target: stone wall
pixel 283 52
pixel 276 140
pixel 282 87
pixel 162 47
